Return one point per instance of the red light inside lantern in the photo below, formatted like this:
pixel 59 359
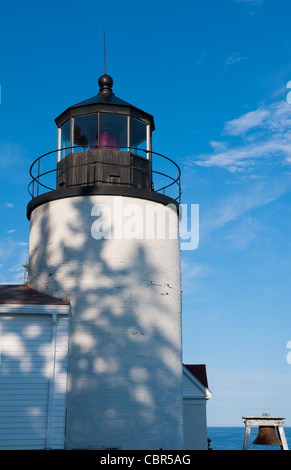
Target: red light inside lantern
pixel 107 140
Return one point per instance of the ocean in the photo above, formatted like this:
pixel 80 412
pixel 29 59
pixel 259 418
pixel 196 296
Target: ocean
pixel 232 439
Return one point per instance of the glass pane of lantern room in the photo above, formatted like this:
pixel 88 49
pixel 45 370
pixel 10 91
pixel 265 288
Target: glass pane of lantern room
pixel 113 131
pixel 85 132
pixel 138 136
pixel 65 138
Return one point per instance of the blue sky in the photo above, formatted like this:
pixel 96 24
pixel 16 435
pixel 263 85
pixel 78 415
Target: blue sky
pixel 214 75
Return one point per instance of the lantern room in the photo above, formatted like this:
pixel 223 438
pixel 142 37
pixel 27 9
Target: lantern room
pixel 108 136
pixel 104 147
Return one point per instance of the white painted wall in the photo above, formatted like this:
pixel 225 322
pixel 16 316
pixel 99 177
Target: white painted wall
pixel 195 420
pixel 33 377
pixel 195 425
pixel 125 355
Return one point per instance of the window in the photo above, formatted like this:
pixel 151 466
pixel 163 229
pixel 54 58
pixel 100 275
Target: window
pixel 113 131
pixel 65 139
pixel 138 136
pixel 103 130
pixel 85 133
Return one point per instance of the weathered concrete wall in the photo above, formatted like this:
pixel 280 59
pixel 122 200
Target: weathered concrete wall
pixel 125 353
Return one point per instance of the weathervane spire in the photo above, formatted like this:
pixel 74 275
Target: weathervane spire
pixel 104 50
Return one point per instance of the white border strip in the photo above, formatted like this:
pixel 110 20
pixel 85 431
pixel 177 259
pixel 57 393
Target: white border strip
pixel 35 309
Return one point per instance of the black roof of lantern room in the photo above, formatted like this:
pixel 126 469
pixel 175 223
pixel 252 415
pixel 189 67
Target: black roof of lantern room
pixel 104 101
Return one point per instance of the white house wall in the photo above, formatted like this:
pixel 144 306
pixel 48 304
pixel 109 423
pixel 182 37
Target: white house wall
pixel 195 396
pixel 31 376
pixel 195 425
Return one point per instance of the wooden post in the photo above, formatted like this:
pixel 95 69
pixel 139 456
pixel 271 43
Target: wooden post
pixel 247 437
pixel 281 433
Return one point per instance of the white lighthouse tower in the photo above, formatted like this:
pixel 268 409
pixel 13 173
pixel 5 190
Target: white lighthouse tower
pixel 104 236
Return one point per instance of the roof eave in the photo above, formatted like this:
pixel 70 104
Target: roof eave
pixel 197 382
pixel 115 108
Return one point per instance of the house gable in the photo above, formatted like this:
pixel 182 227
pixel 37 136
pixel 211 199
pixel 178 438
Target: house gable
pixel 192 386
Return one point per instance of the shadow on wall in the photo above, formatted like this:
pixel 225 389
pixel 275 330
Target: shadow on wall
pixel 125 358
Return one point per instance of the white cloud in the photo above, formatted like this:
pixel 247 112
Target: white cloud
pixel 11 154
pixel 11 231
pixel 255 149
pixel 240 205
pixel 16 268
pixel 244 232
pixel 246 122
pixel 218 146
pixel 13 256
pixel 237 159
pixel 234 59
pixel 192 274
pixel 194 270
pixel 7 205
pixel 265 133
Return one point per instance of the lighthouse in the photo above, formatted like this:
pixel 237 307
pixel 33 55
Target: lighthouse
pixel 104 219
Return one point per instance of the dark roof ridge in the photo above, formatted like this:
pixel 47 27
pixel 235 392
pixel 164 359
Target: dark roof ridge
pixel 25 294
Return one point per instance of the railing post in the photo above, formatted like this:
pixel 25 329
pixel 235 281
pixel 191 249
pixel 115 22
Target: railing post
pixel 38 168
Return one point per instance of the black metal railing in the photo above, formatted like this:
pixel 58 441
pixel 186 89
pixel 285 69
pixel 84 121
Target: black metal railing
pixel 44 172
